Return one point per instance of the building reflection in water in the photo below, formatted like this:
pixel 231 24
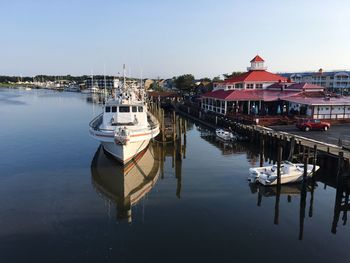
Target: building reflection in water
pixel 124 186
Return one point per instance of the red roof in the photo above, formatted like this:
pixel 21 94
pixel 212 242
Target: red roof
pixel 217 94
pixel 257 58
pixel 256 76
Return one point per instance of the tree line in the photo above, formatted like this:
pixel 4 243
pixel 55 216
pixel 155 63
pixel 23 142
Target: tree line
pixel 185 83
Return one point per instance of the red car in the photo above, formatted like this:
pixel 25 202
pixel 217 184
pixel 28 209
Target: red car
pixel 312 124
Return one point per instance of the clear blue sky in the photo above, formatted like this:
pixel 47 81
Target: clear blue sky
pixel 168 38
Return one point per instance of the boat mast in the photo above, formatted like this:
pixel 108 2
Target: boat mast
pixel 92 79
pixel 104 80
pixel 124 76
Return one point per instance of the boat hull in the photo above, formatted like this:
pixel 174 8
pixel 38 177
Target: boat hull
pixel 264 176
pixel 125 153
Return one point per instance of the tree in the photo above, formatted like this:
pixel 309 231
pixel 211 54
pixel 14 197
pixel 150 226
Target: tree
pixel 233 74
pixel 185 83
pixel 216 79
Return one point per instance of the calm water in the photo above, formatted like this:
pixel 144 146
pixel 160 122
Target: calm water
pixel 63 200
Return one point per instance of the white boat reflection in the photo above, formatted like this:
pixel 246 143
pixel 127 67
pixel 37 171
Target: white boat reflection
pixel 122 185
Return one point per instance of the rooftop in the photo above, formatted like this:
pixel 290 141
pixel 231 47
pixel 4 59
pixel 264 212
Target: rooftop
pixel 256 76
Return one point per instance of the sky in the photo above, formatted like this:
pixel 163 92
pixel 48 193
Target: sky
pixel 163 38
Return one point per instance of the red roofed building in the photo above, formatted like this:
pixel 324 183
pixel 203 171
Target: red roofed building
pixel 255 78
pixel 244 92
pixel 260 92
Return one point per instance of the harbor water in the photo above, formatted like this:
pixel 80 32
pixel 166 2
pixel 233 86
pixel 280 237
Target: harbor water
pixel 62 199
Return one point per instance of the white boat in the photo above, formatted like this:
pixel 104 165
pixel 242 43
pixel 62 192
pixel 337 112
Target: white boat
pixel 72 88
pixel 125 185
pixel 92 90
pixel 224 135
pixel 290 173
pixel 125 127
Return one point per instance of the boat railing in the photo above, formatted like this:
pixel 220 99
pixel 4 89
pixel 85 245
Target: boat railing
pixel 153 121
pixel 96 122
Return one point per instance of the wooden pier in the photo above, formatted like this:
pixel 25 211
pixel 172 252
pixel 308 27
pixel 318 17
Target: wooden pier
pixel 293 147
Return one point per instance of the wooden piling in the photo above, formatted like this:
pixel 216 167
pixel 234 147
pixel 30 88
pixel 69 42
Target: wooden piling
pixel 279 159
pixel 262 150
pixel 305 167
pixel 314 159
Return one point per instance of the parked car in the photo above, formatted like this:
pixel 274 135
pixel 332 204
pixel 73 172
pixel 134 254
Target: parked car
pixel 312 124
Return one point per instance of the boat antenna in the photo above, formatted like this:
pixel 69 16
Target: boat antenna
pixel 141 80
pixel 104 80
pixel 124 76
pixel 92 78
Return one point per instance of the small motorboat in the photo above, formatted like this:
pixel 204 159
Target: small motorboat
pixel 224 135
pixel 290 173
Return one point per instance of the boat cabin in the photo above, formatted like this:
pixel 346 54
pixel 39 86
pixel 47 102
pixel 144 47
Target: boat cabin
pixel 125 115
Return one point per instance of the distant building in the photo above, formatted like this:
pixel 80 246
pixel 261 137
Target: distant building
pixel 99 81
pixel 255 78
pixel 333 81
pixel 147 83
pixel 167 84
pixel 247 94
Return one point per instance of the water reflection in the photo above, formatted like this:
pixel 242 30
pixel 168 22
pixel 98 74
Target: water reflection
pixel 301 191
pixel 124 186
pixel 341 203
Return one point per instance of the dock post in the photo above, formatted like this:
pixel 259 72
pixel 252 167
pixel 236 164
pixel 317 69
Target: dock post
pixel 315 158
pixel 174 125
pixel 185 130
pixel 291 150
pixel 262 150
pixel 305 167
pixel 340 168
pixel 163 125
pixel 180 138
pixel 279 159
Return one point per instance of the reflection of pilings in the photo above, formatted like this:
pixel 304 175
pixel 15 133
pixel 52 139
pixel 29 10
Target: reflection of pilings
pixel 259 198
pixel 311 207
pixel 277 204
pixel 162 160
pixel 337 209
pixel 345 212
pixel 178 169
pixel 302 210
pixel 185 138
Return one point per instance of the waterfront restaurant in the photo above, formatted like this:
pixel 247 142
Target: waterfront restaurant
pixel 246 93
pixel 258 92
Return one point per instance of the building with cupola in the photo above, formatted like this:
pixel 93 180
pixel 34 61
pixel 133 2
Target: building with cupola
pixel 260 93
pixel 257 77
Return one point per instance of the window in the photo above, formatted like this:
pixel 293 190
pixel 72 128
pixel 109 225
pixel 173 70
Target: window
pixel 124 109
pixel 140 108
pixel 108 109
pixel 134 109
pixel 259 86
pixel 114 109
pixel 250 86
